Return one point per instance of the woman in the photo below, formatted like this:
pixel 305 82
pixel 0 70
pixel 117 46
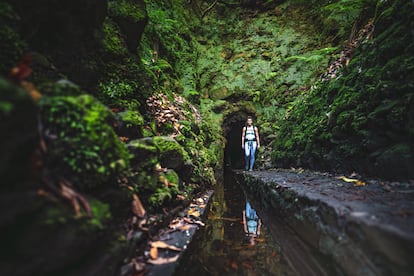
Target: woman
pixel 251 223
pixel 250 142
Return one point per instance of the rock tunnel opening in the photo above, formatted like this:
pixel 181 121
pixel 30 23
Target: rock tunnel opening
pixel 232 127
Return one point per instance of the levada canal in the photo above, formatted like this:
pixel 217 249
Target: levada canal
pixel 235 240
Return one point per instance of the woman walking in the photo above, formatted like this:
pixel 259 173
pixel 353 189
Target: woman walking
pixel 250 142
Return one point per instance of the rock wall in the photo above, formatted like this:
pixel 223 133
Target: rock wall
pixel 91 118
pixel 360 120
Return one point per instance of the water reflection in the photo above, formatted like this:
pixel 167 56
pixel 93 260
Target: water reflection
pixel 224 245
pixel 251 223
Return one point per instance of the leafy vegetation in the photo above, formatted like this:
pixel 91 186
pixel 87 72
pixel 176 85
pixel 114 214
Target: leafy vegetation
pixel 362 117
pixel 85 147
pixel 126 8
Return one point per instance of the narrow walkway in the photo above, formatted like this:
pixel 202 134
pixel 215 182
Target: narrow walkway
pixel 366 227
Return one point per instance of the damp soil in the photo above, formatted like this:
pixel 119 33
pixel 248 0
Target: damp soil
pixel 223 248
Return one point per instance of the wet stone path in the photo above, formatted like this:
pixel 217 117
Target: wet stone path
pixel 356 226
pixel 224 247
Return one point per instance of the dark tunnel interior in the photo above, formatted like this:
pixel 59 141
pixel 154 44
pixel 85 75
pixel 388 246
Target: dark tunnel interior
pixel 233 152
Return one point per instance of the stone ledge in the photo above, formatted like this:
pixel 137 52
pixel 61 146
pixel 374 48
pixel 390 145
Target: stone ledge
pixel 358 229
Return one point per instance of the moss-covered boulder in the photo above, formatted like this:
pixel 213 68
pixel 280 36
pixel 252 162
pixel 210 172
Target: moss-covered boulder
pixel 144 153
pixel 82 144
pixel 131 16
pixel 129 123
pixel 172 154
pixel 363 119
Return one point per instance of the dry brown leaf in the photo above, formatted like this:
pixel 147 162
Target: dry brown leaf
pixel 192 221
pixel 31 90
pixel 164 245
pixel 161 261
pixel 234 265
pixel 75 199
pixel 180 197
pixel 184 227
pixel 137 207
pixel 154 253
pixel 194 212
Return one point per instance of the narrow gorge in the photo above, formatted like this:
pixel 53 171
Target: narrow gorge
pixel 117 116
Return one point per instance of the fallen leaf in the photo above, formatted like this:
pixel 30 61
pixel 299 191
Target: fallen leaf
pixel 192 221
pixel 359 183
pixel 194 212
pixel 164 245
pixel 180 197
pixel 234 265
pixel 154 253
pixel 352 180
pixel 31 90
pixel 161 261
pixel 137 207
pixel 75 198
pixel 184 227
pixel 22 70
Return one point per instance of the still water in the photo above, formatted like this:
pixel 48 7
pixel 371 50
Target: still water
pixel 234 241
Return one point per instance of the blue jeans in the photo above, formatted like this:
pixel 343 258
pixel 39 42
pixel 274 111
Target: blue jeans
pixel 249 153
pixel 252 220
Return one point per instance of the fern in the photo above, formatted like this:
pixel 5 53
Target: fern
pixel 343 13
pixel 315 57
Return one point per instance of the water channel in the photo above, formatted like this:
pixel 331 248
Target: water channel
pixel 225 247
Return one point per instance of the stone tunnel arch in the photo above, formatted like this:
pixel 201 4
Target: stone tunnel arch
pixel 232 128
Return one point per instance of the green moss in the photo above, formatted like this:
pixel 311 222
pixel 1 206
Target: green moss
pixel 172 154
pixel 100 214
pixel 131 118
pixel 118 91
pixel 86 148
pixel 126 8
pixel 62 215
pixel 112 40
pixel 365 110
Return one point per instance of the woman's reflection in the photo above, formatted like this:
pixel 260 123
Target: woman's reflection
pixel 251 223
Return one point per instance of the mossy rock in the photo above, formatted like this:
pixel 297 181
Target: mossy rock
pixel 396 160
pixel 19 135
pixel 62 87
pixel 131 16
pixel 113 42
pixel 172 154
pixel 172 177
pixel 144 153
pixel 129 123
pixel 86 148
pixel 51 239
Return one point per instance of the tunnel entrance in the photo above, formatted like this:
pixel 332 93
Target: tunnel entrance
pixel 232 127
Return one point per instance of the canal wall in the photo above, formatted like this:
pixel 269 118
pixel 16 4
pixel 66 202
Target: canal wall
pixel 326 226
